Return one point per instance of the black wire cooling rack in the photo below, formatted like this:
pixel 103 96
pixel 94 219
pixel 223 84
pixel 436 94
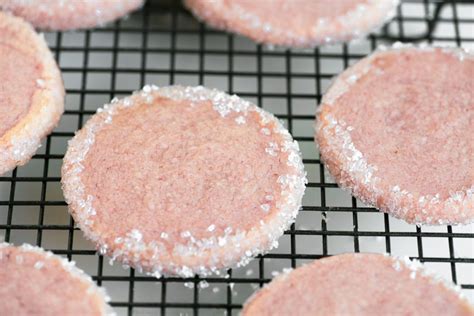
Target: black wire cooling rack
pixel 163 44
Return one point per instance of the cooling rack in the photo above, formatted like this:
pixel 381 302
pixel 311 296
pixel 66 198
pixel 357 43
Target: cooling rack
pixel 163 44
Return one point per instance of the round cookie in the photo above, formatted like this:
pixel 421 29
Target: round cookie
pixel 396 130
pixel 183 180
pixel 36 282
pixel 298 23
pixel 63 15
pixel 359 284
pixel 31 92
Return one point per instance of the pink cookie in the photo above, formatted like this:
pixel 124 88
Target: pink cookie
pixel 183 180
pixel 299 23
pixel 359 284
pixel 65 15
pixel 31 92
pixel 396 129
pixel 36 282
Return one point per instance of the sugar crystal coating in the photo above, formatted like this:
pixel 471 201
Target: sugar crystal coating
pixel 37 282
pixel 182 184
pixel 31 93
pixel 396 130
pixel 301 23
pixel 359 284
pixel 69 14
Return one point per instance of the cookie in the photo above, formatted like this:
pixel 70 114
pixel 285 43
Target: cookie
pixel 63 15
pixel 298 23
pixel 359 284
pixel 396 130
pixel 36 282
pixel 183 180
pixel 31 92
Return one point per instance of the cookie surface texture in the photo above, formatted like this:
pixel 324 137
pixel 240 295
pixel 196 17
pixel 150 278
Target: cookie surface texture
pixel 297 23
pixel 183 180
pixel 396 130
pixel 359 284
pixel 31 92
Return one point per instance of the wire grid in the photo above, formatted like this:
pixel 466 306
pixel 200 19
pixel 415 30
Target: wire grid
pixel 163 44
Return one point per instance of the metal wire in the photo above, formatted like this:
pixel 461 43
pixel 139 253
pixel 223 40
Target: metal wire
pixel 163 18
